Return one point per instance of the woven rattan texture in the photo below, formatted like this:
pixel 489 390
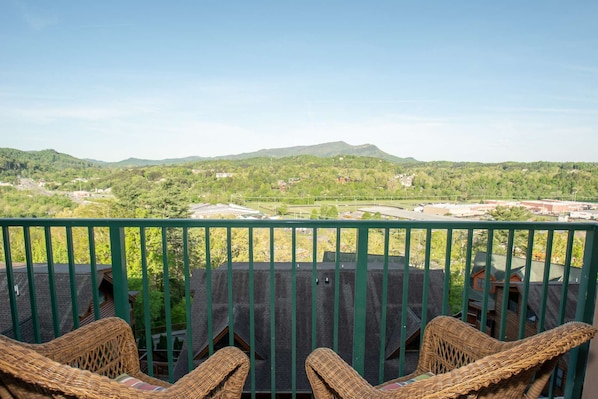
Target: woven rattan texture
pixel 80 364
pixel 467 364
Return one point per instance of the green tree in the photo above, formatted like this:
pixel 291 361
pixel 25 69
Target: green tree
pixel 515 213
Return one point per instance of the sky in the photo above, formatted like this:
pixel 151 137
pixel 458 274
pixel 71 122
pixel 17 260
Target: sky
pixel 483 81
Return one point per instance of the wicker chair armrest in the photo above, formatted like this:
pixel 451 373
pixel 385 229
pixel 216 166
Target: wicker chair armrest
pixel 29 373
pixel 223 373
pixel 331 377
pixel 504 374
pixel 106 347
pixel 508 373
pixel 449 343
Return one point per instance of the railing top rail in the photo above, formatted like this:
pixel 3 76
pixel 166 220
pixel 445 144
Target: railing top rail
pixel 299 223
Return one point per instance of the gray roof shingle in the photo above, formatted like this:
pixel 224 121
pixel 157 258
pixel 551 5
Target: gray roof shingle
pixel 281 275
pixel 62 290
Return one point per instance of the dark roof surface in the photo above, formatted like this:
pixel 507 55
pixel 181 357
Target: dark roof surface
pixel 299 294
pixel 499 264
pixel 62 289
pixel 554 297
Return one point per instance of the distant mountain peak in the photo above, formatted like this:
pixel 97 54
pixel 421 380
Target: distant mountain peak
pixel 330 149
pixel 324 150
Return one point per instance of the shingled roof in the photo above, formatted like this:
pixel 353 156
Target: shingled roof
pixel 554 296
pixel 325 291
pixel 62 289
pixel 498 265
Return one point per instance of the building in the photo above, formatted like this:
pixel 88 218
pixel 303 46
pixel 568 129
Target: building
pixel 553 206
pixel 541 312
pixel 61 279
pixel 458 210
pixel 498 266
pixel 213 211
pixel 297 299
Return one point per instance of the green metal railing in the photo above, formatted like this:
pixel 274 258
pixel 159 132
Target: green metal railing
pixel 157 258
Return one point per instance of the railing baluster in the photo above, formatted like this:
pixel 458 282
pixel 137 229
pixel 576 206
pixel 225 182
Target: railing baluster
pixel 566 276
pixel 545 281
pixel 526 281
pixel 229 265
pixel 149 339
pixel 72 276
pixel 293 310
pixel 405 301
pixel 487 273
pixel 507 286
pixel 447 273
pixel 167 308
pixel 119 272
pixel 383 306
pixel 10 281
pixel 314 291
pixel 425 294
pixel 31 284
pixel 272 317
pixel 360 297
pixel 210 320
pixel 337 290
pixel 252 337
pixel 94 272
pixel 188 299
pixel 51 283
pixel 467 277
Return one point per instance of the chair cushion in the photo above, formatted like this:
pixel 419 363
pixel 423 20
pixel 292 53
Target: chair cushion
pixel 137 383
pixel 397 385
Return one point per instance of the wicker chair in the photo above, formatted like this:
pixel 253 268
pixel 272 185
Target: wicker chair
pixel 466 363
pixel 83 363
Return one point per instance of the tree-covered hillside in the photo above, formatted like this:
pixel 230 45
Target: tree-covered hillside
pixel 153 190
pixel 15 163
pixel 308 178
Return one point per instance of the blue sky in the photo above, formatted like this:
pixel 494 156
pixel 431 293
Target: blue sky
pixel 485 81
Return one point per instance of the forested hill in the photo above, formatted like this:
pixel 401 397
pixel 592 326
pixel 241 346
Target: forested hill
pixel 324 150
pixel 302 178
pixel 15 162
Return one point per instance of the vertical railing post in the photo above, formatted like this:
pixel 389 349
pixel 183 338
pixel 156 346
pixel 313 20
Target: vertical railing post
pixel 188 317
pixel 31 283
pixel 119 273
pixel 11 284
pixel 51 283
pixel 149 341
pixel 467 277
pixel 72 276
pixel 167 306
pixel 359 314
pixel 405 300
pixel 586 303
pixel 293 315
pixel 272 317
pixel 487 273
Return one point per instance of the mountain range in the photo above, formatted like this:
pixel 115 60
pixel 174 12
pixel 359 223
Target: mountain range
pixel 324 150
pixel 13 159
